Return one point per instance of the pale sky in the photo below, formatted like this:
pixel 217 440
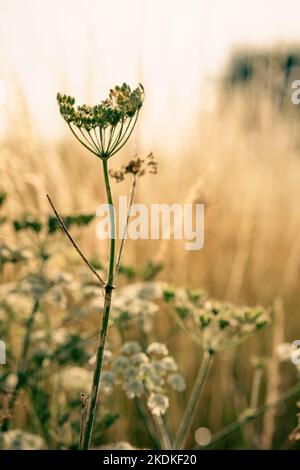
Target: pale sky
pixel 85 47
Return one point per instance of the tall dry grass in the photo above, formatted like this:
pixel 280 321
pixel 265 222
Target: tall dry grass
pixel 244 164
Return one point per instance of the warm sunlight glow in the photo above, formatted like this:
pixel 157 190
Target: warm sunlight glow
pixel 173 47
pixel 2 92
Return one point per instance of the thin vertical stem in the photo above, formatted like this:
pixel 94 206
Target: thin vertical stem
pixel 165 438
pixel 258 373
pixel 133 186
pixel 82 417
pixel 191 408
pixel 246 418
pixel 143 413
pixel 104 323
pixel 22 366
pixel 23 359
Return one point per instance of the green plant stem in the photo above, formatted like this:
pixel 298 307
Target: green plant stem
pixel 163 431
pixel 64 228
pixel 23 358
pixel 258 374
pixel 253 414
pixel 148 423
pixel 108 289
pixel 22 366
pixel 191 408
pixel 132 191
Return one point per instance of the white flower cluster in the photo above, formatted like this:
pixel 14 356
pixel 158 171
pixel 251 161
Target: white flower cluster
pixel 15 439
pixel 144 374
pixel 75 379
pixel 134 304
pixel 289 352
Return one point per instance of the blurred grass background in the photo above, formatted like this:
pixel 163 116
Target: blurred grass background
pixel 244 165
pixel 240 156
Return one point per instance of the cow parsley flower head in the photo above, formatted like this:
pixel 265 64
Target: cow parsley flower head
pixel 139 358
pixel 158 404
pixel 121 364
pixel 211 324
pixel 133 388
pixel 146 374
pixel 74 379
pixel 177 382
pixel 104 128
pixel 284 352
pixel 158 349
pixel 15 439
pixel 107 382
pixel 168 364
pixel 131 347
pixel 127 311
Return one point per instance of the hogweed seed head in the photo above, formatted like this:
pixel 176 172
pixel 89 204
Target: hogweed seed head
pixel 136 167
pixel 104 128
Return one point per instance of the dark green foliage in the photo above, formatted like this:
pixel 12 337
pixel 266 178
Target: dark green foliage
pixel 128 271
pixel 72 351
pixel 9 255
pixel 28 222
pixel 79 220
pixel 3 196
pixel 96 263
pixel 150 270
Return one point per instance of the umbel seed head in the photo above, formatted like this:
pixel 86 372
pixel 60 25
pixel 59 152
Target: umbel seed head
pixel 104 128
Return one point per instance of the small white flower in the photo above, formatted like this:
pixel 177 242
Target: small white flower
pixel 158 404
pixel 284 351
pixel 154 382
pixel 169 364
pixel 132 373
pixel 177 382
pixel 39 335
pixel 60 336
pixel 16 439
pixel 131 347
pixel 143 290
pixel 120 364
pixel 106 358
pixel 75 379
pixel 108 380
pixel 11 381
pixel 139 358
pixel 133 388
pixel 157 348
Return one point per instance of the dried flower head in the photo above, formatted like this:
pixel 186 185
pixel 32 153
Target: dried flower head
pixel 136 167
pixel 104 128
